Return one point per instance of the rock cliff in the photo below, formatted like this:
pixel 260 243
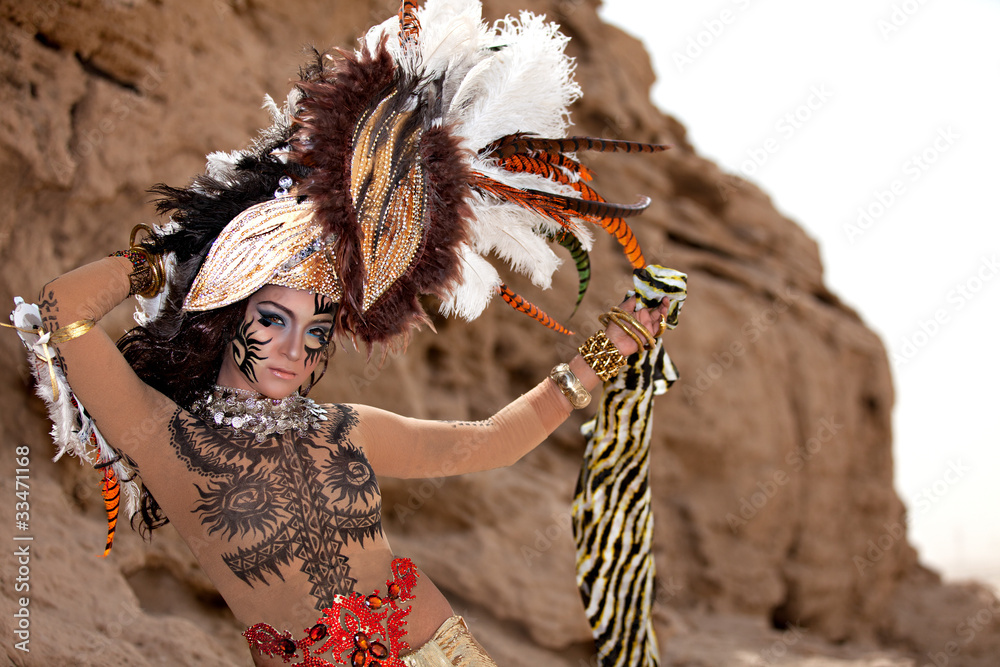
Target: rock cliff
pixel 779 537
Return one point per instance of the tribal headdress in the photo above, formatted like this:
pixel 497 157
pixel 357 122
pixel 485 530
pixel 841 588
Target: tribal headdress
pixel 395 171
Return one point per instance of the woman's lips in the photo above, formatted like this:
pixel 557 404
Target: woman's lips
pixel 282 373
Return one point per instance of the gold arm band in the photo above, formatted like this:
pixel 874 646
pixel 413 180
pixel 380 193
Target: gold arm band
pixel 71 331
pixel 570 386
pixel 60 335
pixel 602 356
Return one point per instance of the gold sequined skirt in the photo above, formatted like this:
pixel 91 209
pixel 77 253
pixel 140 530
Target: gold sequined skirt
pixel 451 646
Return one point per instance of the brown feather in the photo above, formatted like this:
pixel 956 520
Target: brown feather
pixel 338 91
pixel 522 143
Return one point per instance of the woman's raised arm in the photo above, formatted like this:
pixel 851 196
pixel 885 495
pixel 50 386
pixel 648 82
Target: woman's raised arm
pixel 125 409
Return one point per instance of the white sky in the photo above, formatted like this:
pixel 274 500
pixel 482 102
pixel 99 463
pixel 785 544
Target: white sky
pixel 904 97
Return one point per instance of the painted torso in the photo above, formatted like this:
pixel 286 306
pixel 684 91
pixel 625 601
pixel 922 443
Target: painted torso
pixel 285 525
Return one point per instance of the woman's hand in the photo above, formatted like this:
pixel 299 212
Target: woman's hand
pixel 648 317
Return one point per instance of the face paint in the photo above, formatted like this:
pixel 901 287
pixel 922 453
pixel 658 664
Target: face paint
pixel 319 336
pixel 280 343
pixel 322 305
pixel 246 350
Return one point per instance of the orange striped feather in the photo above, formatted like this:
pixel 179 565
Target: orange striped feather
pixel 111 491
pixel 617 227
pixel 568 163
pixel 564 209
pixel 533 165
pixel 517 303
pixel 589 209
pixel 541 203
pixel 409 26
pixel 626 237
pixel 586 192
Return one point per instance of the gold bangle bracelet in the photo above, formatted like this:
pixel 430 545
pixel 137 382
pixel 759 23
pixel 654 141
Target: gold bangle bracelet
pixel 637 325
pixel 615 318
pixel 662 326
pixel 570 386
pixel 602 356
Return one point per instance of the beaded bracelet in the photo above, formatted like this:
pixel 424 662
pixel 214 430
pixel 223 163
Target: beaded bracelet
pixel 570 386
pixel 602 356
pixel 147 277
pixel 141 278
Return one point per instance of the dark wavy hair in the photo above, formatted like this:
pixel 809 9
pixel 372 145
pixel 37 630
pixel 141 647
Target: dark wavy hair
pixel 180 353
pixel 180 364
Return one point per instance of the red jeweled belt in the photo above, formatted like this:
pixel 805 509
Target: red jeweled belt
pixel 357 630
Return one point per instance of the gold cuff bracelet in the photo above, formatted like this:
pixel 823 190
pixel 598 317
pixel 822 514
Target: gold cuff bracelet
pixel 602 356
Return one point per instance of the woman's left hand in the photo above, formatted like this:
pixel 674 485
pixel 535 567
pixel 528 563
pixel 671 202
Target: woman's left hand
pixel 648 317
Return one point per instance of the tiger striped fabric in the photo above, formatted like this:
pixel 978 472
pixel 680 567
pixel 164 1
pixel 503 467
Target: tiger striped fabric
pixel 612 516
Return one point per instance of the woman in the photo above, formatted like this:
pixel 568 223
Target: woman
pixel 284 525
pixel 361 197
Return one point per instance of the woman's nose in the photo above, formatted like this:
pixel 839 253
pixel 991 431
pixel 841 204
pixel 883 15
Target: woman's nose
pixel 292 348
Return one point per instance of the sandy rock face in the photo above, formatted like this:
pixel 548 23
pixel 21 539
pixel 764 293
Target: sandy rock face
pixel 777 526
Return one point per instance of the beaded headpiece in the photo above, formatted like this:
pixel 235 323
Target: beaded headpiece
pixel 404 166
pixel 277 243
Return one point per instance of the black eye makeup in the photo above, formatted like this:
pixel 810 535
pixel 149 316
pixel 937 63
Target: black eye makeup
pixel 321 334
pixel 267 319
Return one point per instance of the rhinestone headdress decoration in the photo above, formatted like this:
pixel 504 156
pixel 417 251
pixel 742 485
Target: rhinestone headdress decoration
pixel 390 205
pixel 277 243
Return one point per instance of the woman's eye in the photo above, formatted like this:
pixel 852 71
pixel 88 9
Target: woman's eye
pixel 320 334
pixel 267 319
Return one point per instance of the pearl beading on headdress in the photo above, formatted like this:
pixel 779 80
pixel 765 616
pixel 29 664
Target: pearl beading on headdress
pixel 276 242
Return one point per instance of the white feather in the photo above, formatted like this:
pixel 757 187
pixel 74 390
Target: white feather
pixel 527 88
pixel 510 232
pixel 513 76
pixel 148 310
pixel 72 427
pixel 474 290
pixel 389 29
pixel 452 36
pixel 222 166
